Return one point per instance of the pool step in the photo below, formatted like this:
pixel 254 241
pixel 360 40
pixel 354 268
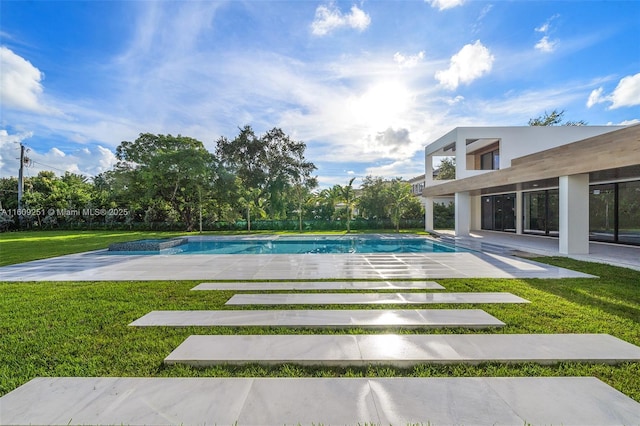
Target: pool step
pixel 316 318
pixel 401 350
pixel 370 298
pixel 279 401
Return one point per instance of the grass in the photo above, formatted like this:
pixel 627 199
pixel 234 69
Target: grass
pixel 80 328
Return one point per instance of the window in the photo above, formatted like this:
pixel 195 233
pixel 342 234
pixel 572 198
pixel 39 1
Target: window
pixel 614 212
pixel 541 212
pixel 499 212
pixel 490 160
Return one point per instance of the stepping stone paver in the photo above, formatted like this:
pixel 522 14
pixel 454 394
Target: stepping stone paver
pixel 370 298
pixel 321 285
pixel 277 401
pixel 401 350
pixel 372 318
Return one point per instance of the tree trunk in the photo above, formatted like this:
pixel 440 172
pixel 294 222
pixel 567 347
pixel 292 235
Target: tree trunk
pixel 248 217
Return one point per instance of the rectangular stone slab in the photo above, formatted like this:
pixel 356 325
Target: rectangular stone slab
pixel 370 298
pixel 371 318
pixel 321 285
pixel 278 401
pixel 401 350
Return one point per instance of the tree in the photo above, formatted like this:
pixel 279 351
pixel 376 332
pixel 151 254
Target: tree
pixel 554 118
pixel 400 197
pixel 175 169
pixel 447 169
pixel 348 197
pixel 302 196
pixel 325 203
pixel 373 198
pixel 271 163
pixel 251 199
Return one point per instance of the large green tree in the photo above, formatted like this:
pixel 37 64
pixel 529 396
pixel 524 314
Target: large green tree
pixel 175 169
pixel 373 198
pixel 271 164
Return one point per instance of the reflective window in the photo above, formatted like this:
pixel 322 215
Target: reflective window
pixel 602 212
pixel 499 212
pixel 541 212
pixel 629 212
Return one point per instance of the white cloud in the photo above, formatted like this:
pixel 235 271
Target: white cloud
pixel 469 64
pixel 402 168
pixel 20 83
pixel 546 45
pixel 544 28
pixel 88 160
pixel 595 97
pixel 630 122
pixel 10 151
pixel 408 61
pixel 445 4
pixel 626 94
pixel 456 100
pixel 329 18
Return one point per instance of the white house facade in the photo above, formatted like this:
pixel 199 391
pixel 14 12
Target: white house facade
pixel 577 183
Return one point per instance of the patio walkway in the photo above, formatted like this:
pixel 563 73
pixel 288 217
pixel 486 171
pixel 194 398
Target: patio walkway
pixel 99 266
pixel 401 350
pixel 371 298
pixel 323 318
pixel 625 256
pixel 580 401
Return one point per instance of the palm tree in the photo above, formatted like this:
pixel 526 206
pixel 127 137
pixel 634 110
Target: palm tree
pixel 254 203
pixel 348 197
pixel 399 195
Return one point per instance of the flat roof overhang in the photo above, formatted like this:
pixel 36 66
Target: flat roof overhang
pixel 619 149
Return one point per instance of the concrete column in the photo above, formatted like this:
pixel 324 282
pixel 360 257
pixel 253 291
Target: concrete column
pixel 428 213
pixel 463 213
pixel 574 214
pixel 519 214
pixel 476 212
pixel 428 170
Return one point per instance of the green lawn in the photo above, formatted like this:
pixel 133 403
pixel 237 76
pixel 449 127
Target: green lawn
pixel 80 328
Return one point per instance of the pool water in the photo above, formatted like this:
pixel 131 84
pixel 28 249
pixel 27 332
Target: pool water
pixel 308 245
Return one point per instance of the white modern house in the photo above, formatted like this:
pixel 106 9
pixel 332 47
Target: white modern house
pixel 574 182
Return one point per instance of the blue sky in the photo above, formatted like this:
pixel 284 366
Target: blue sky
pixel 365 84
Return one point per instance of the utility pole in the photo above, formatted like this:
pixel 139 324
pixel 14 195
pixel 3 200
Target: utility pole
pixel 20 178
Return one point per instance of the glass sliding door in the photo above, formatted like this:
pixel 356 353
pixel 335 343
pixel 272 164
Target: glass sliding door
pixel 602 215
pixel 534 212
pixel 553 212
pixel 629 212
pixel 487 213
pixel 541 213
pixel 499 213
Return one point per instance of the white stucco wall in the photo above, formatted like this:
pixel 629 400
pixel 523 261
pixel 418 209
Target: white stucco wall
pixel 514 142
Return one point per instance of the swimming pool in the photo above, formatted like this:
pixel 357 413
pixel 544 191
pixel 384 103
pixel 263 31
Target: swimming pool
pixel 305 245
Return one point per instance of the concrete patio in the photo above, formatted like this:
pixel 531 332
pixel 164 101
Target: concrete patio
pixel 100 266
pixel 579 401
